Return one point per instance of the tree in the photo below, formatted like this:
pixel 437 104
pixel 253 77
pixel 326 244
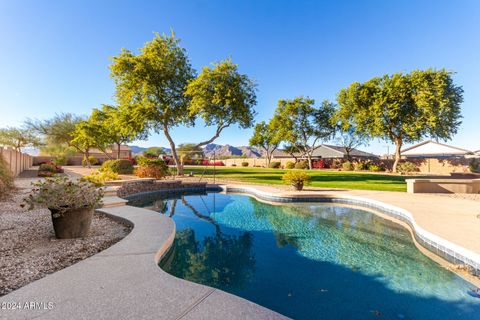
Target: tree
pixel 403 108
pixel 58 130
pixel 158 87
pixel 18 138
pixel 150 86
pixel 154 152
pixel 265 137
pixel 302 125
pixel 221 96
pixel 117 126
pixel 349 139
pixel 87 135
pixel 187 151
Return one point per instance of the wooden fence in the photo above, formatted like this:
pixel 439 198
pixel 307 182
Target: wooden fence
pixel 16 161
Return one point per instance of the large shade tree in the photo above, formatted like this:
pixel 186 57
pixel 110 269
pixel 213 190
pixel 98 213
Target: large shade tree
pixel 403 108
pixel 266 138
pixel 150 86
pixel 303 125
pixel 158 87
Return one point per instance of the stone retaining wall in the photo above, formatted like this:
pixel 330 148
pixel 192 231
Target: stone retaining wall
pixel 146 185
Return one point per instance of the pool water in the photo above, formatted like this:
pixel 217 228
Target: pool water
pixel 308 261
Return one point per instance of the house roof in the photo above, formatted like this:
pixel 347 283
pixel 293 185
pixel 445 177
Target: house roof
pixel 343 152
pixel 433 148
pixel 326 151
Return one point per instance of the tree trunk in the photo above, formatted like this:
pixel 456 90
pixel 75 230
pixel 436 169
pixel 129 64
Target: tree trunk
pixel 87 155
pixel 398 147
pixel 118 150
pixel 174 151
pixel 309 159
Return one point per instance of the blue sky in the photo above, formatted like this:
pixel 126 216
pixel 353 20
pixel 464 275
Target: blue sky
pixel 54 55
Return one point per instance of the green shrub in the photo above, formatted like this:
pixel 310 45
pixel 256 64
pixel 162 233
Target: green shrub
pixel 359 166
pixel 347 166
pixel 6 178
pixel 296 178
pixel 244 164
pixel 375 168
pixel 290 165
pixel 47 167
pixel 407 167
pixel 336 164
pixel 275 164
pixel 120 166
pixel 98 178
pixel 474 165
pixel 303 165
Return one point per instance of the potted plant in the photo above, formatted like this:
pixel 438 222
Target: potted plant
pixel 296 178
pixel 71 203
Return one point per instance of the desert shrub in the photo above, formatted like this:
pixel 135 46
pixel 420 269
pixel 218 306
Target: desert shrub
pixel 6 178
pixel 151 168
pixel 151 171
pixel 290 165
pixel 244 164
pixel 120 166
pixel 359 166
pixel 303 165
pixel 474 165
pixel 347 166
pixel 274 164
pixel 296 178
pixel 375 168
pixel 407 167
pixel 98 178
pixel 336 164
pixel 47 167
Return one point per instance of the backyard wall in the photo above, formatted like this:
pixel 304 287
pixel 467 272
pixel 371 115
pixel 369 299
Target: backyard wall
pixel 16 161
pixel 424 165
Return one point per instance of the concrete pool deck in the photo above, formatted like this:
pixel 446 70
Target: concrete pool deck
pixel 125 282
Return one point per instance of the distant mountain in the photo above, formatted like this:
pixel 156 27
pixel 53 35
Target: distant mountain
pixel 222 151
pixel 137 149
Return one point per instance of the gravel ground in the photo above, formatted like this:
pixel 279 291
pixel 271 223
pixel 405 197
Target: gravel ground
pixel 28 247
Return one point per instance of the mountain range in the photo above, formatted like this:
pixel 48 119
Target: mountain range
pixel 220 151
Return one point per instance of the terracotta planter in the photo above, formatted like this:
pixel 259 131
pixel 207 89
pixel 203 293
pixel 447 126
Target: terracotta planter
pixel 72 223
pixel 298 186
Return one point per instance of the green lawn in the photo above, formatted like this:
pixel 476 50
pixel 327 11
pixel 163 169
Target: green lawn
pixel 320 178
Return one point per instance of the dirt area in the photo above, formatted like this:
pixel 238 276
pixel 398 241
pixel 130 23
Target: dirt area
pixel 28 247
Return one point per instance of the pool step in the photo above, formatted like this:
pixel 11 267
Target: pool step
pixel 110 191
pixel 113 201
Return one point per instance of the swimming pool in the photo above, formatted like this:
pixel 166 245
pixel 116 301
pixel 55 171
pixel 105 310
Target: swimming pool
pixel 308 261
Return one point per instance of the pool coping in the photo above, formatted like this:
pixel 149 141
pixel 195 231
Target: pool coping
pixel 125 280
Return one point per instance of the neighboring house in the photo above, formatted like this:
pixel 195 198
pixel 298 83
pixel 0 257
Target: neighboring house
pixel 125 152
pixel 326 151
pixel 432 149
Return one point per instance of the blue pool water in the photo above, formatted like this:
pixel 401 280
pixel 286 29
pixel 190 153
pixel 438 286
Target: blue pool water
pixel 308 261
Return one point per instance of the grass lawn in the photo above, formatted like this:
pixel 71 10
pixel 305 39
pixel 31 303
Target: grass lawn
pixel 320 178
